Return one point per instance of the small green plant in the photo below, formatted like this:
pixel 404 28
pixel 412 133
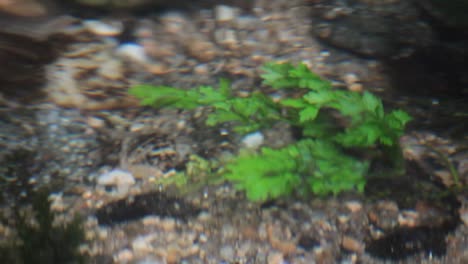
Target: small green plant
pixel 333 122
pixel 247 113
pixel 198 172
pixel 40 239
pixel 308 165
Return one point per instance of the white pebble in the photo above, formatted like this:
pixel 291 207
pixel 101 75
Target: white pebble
pixel 350 78
pixel 123 256
pixel 103 29
pixel 142 244
pixel 253 140
pixel 133 52
pixel 224 13
pixel 121 179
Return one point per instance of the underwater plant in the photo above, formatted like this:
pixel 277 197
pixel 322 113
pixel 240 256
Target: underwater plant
pixel 333 124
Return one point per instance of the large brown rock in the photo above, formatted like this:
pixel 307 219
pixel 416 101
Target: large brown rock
pixel 377 28
pixel 423 42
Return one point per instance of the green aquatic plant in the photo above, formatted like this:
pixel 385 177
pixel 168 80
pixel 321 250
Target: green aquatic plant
pixel 247 113
pixel 333 123
pixel 198 173
pixel 40 239
pixel 307 165
pixel 366 122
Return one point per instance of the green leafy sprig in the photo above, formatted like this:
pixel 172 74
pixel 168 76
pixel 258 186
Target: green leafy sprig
pixel 246 113
pixel 308 165
pixel 332 121
pixel 368 124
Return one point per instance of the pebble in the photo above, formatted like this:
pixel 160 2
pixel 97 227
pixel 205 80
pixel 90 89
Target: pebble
pixel 201 49
pixel 143 171
pixel 142 244
pixel 173 254
pixel 285 36
pixel 136 127
pixel 279 240
pixel 103 29
pixel 253 140
pixel 90 235
pixel 356 87
pixel 174 22
pixel 250 248
pixel 111 69
pixel 204 217
pixel 201 69
pixel 343 219
pixel 158 50
pixel 464 215
pixel 246 22
pixel 95 122
pixel 227 252
pixel 352 244
pixel 202 238
pixel 158 69
pixel 57 203
pixel 228 231
pixel 123 256
pixel 352 82
pixel 275 258
pixel 409 218
pixel 384 215
pixel 151 220
pixel 168 224
pixel 121 179
pixel 133 52
pixel 225 13
pixel 226 37
pixel 102 233
pixel 353 206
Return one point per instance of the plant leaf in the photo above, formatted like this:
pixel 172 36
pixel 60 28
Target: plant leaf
pixel 308 114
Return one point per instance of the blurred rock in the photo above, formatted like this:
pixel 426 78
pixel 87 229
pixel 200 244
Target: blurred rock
pixel 25 8
pixel 450 13
pixel 25 57
pixel 372 28
pixel 423 42
pixel 28 40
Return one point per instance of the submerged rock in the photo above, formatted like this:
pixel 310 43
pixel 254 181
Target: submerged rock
pixel 139 206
